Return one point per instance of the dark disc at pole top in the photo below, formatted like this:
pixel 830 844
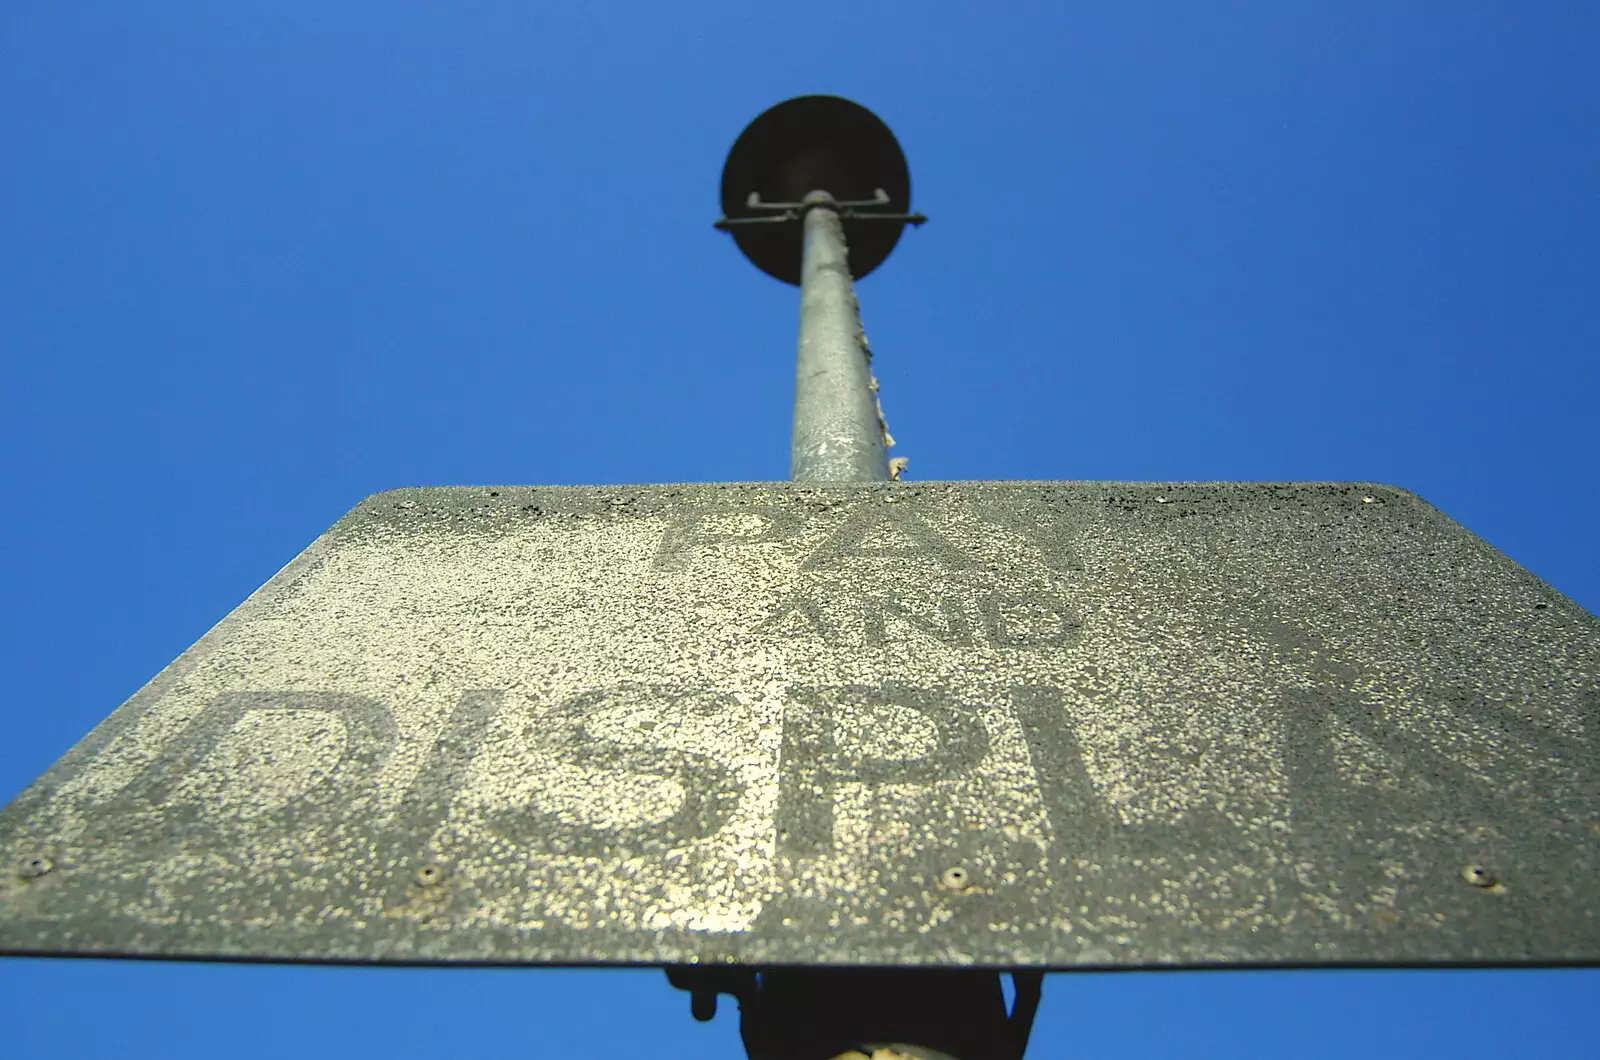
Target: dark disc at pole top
pixel 814 143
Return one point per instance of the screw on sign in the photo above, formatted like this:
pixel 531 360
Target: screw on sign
pixel 846 748
pixel 34 867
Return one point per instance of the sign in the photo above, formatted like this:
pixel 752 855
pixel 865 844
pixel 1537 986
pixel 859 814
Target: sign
pixel 1024 724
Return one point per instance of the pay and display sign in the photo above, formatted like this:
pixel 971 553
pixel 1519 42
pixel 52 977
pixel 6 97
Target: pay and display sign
pixel 1023 724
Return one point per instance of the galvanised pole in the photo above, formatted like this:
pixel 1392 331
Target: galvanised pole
pixel 823 143
pixel 838 428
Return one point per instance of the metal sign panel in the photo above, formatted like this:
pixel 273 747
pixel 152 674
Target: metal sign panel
pixel 935 724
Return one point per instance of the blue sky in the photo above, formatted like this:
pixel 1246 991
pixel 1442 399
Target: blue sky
pixel 263 259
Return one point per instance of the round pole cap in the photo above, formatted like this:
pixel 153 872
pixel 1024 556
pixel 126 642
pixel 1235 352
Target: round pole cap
pixel 806 144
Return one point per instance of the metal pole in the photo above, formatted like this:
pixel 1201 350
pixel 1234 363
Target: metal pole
pixel 838 430
pixel 822 1013
pixel 833 1013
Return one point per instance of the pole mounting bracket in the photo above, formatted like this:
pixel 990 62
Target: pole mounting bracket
pixel 849 210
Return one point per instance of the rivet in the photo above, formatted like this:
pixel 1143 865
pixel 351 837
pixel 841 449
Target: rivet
pixel 1478 876
pixel 955 878
pixel 33 867
pixel 430 875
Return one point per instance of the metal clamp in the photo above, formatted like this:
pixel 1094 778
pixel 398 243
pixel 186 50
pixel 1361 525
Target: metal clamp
pixel 849 210
pixel 818 1013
